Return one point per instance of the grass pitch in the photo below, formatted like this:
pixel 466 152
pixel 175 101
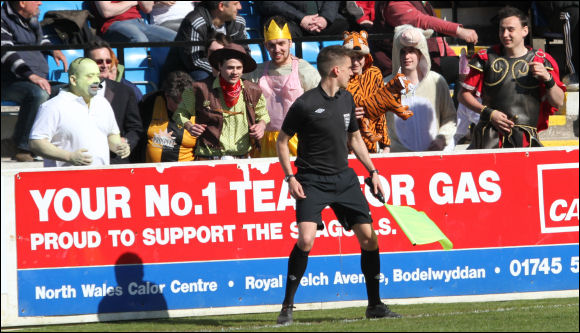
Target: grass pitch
pixel 560 314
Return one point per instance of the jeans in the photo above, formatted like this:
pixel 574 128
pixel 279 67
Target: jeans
pixel 29 96
pixel 138 31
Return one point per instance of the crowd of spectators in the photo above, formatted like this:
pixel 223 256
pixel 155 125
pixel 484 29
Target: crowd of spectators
pixel 220 77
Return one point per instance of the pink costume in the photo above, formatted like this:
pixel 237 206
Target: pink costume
pixel 280 92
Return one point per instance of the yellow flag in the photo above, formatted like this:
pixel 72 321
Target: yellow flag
pixel 418 227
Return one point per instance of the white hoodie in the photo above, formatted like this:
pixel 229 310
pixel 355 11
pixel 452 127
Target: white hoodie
pixel 430 100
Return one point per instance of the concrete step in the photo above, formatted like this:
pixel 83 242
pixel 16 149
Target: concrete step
pixel 561 127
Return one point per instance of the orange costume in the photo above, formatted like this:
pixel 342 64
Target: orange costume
pixel 376 98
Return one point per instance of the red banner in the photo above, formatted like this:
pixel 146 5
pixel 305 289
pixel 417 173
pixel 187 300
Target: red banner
pixel 194 212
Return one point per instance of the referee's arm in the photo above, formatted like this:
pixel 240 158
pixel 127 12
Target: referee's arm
pixel 284 152
pixel 284 157
pixel 360 151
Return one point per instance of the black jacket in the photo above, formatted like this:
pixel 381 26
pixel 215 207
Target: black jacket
pixel 196 27
pixel 124 104
pixel 296 10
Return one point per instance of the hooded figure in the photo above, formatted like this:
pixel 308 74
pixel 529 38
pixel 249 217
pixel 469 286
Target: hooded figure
pixel 371 94
pixel 367 79
pixel 434 122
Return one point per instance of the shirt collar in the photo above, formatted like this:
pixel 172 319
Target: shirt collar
pixel 325 95
pixel 101 91
pixel 79 99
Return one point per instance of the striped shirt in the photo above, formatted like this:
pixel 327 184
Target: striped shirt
pixel 16 30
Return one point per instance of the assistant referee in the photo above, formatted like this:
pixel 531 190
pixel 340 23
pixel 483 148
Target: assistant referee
pixel 324 120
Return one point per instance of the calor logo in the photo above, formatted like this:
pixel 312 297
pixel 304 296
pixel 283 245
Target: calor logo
pixel 558 204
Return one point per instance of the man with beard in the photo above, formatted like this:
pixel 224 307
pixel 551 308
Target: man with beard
pixel 77 127
pixel 282 80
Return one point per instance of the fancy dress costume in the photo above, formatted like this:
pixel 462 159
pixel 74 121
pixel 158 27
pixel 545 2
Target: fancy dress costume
pixel 505 85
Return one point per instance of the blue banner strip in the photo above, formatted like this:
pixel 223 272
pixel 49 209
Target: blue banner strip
pixel 158 287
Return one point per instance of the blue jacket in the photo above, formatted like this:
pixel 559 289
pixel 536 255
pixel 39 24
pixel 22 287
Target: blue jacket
pixel 18 65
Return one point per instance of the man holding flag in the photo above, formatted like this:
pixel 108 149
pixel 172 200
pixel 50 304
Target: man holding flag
pixel 325 122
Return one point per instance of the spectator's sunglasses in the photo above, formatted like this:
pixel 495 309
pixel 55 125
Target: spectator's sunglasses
pixel 101 61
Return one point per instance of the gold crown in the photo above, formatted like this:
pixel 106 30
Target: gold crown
pixel 274 32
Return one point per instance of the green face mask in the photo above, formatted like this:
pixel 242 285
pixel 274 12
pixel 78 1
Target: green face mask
pixel 86 79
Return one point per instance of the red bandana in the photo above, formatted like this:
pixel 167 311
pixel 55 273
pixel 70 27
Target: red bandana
pixel 231 92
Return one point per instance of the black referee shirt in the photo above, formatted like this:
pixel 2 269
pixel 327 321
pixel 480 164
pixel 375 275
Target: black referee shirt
pixel 322 123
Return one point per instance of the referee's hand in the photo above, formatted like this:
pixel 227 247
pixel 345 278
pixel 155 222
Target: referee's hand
pixel 295 188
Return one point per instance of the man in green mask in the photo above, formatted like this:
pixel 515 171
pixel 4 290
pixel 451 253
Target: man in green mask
pixel 77 127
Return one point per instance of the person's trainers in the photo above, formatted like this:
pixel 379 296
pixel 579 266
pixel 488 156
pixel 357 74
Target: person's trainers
pixel 380 311
pixel 285 316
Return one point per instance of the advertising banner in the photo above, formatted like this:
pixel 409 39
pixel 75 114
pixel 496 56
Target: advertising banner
pixel 193 235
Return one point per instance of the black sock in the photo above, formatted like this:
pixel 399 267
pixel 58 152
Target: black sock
pixel 370 264
pixel 296 268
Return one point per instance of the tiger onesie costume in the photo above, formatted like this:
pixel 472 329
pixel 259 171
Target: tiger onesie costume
pixel 376 98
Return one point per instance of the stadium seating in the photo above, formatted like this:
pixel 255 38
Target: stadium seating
pixel 310 51
pixel 137 68
pixel 57 73
pixel 331 42
pixel 158 58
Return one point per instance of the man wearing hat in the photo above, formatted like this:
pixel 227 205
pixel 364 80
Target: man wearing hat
pixel 282 80
pixel 230 113
pixel 372 97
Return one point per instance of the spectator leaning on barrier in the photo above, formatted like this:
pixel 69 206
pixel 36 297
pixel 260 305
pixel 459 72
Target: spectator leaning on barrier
pixel 165 141
pixel 120 96
pixel 25 73
pixel 230 113
pixel 121 21
pixel 519 88
pixel 197 26
pixel 433 124
pixel 282 80
pixel 77 127
pixel 306 18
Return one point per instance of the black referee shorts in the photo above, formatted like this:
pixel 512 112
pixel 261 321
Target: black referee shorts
pixel 341 192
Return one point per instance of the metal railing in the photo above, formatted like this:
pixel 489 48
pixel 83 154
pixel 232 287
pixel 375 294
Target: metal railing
pixel 121 46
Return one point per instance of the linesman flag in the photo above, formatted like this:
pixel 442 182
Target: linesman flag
pixel 417 226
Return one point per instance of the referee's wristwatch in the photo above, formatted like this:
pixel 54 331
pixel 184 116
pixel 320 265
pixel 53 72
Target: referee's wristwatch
pixel 287 178
pixel 373 171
